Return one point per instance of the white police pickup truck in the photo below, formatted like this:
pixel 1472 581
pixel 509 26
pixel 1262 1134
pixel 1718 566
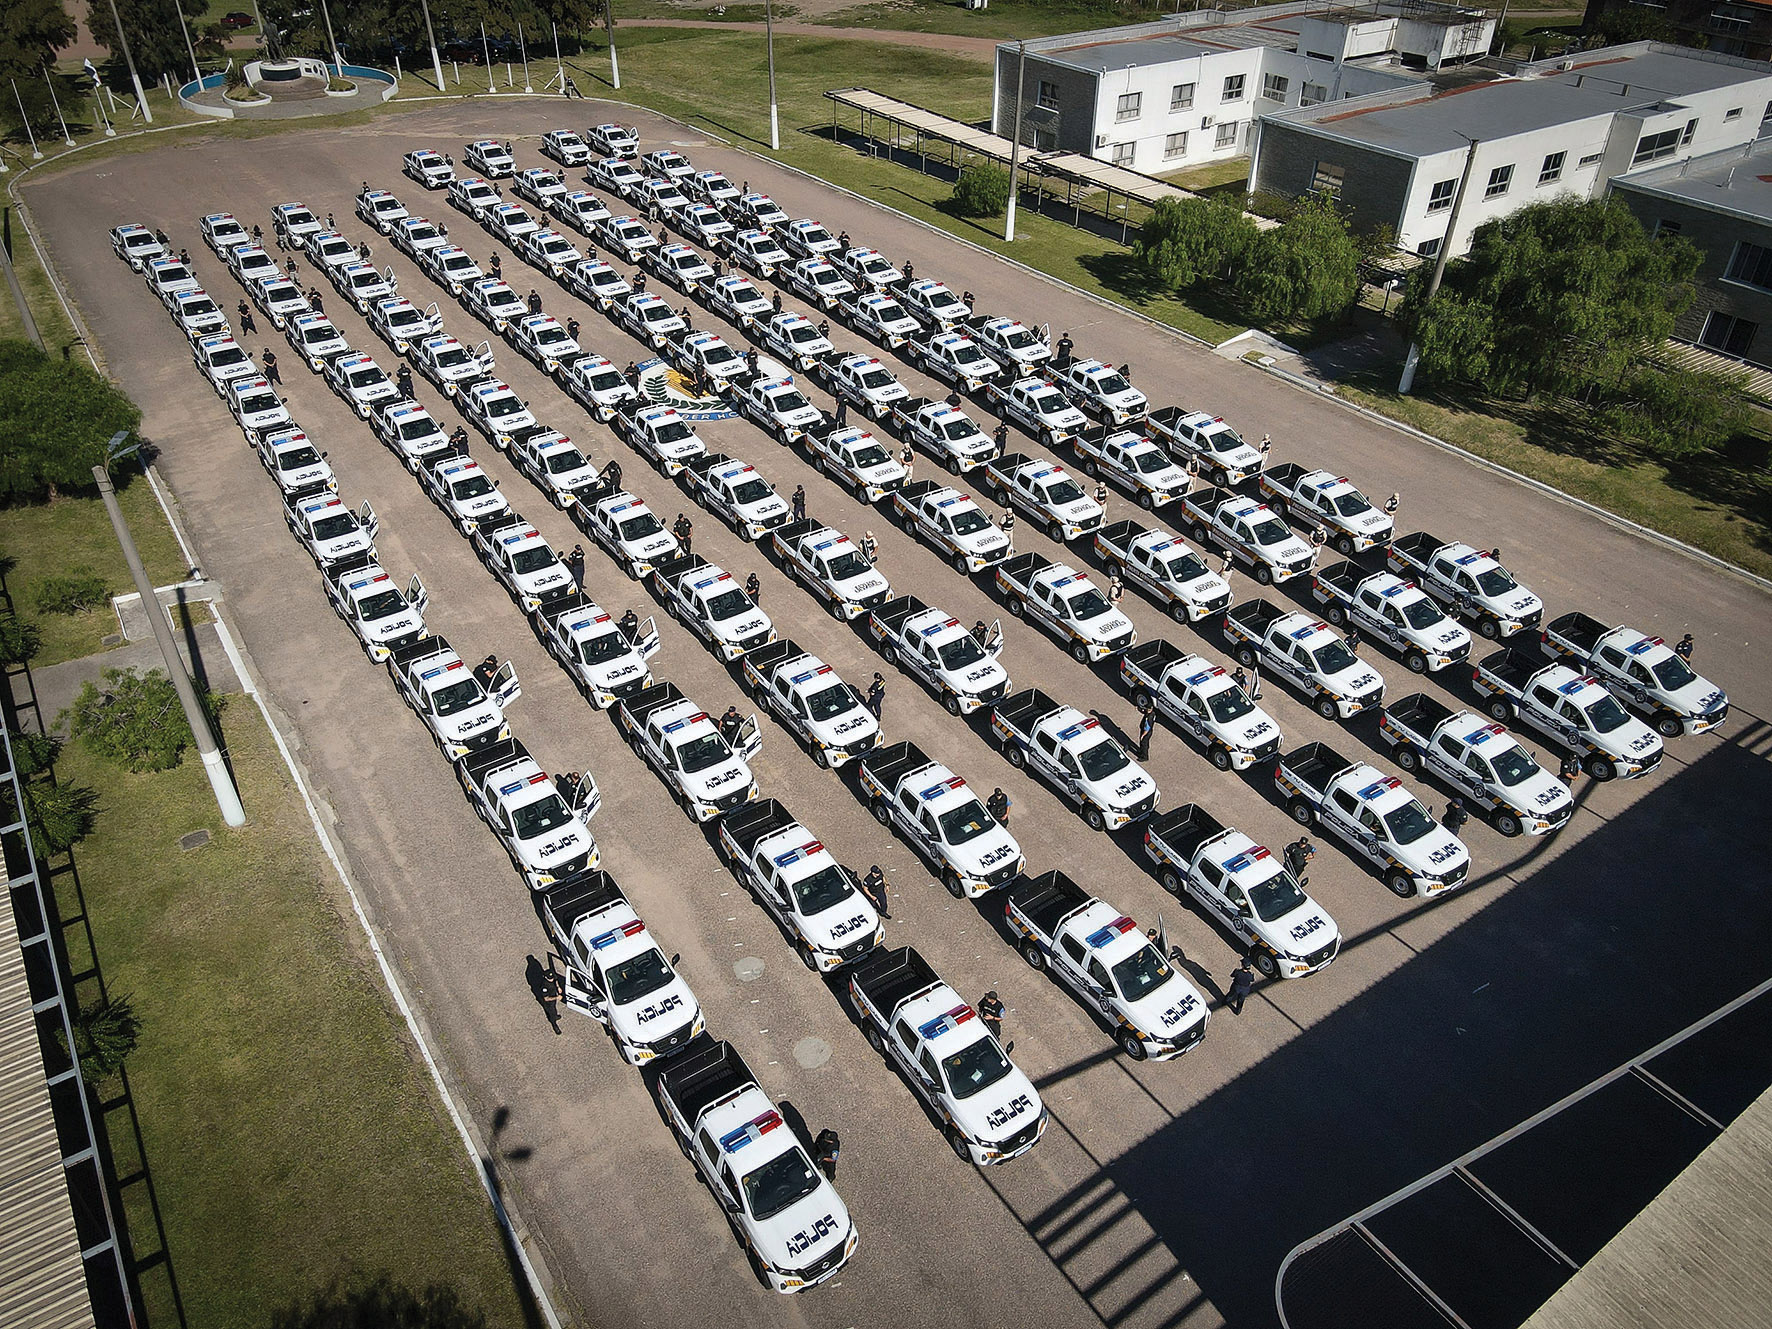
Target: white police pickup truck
pixel 1038 407
pixel 1644 671
pixel 365 597
pixel 595 282
pixel 1102 392
pixel 606 660
pixel 778 405
pixel 1573 709
pixel 953 523
pixel 1471 582
pixel 757 210
pixel 668 164
pixel 510 222
pixel 399 322
pixel 933 305
pixel 427 168
pixel 628 237
pixel 855 458
pixel 1101 955
pixel 554 465
pixel 1481 761
pixel 597 385
pixel 1397 612
pixel 735 491
pixel 1045 491
pixel 415 236
pixel 360 383
pixel 1249 532
pixel 706 774
pixel 496 411
pixel 705 599
pixel 258 408
pixel 221 231
pixel 279 298
pixel 990 1111
pixel 1201 700
pixel 1243 888
pixel 223 360
pixel 490 156
pixel 660 198
pixel 1297 647
pixel 760 252
pixel 821 282
pixel 733 297
pixel 544 342
pixel 664 436
pixel 250 264
pixel 794 337
pixel 451 365
pixel 1159 564
pixel 879 315
pixel 1074 755
pixel 522 560
pixel 808 238
pixel 708 354
pixel 550 251
pixel 811 701
pixel 867 268
pixel 362 285
pixel 710 187
pixel 828 564
pixel 451 266
pixel 135 244
pixel 1374 815
pixel 861 380
pixel 613 140
pixel 616 973
pixel 581 210
pixel 953 358
pixel 614 174
pixel 706 225
pixel 462 715
pixel 789 1219
pixel 565 147
pixel 410 433
pixel 327 529
pixel 540 186
pixel 945 432
pixel 327 250
pixel 380 209
pixel 629 532
pixel 649 317
pixel 679 265
pixel 298 467
pixel 1130 461
pixel 927 643
pixel 1329 502
pixel 546 835
pixel 1066 604
pixel 315 339
pixel 298 222
pixel 1200 436
pixel 493 303
pixel 799 881
pixel 456 484
pixel 1014 346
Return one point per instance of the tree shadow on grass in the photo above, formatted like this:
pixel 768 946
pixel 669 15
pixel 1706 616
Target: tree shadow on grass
pixel 382 1304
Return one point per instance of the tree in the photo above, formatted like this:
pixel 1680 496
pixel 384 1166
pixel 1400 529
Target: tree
pixel 34 754
pixel 1570 292
pixel 55 418
pixel 1306 267
pixel 135 720
pixel 31 32
pixel 981 191
pixel 1675 413
pixel 105 1036
pixel 60 815
pixel 1186 241
pixel 154 38
pixel 19 641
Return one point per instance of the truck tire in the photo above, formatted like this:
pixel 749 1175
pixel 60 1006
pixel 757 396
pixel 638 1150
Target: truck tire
pixel 1277 502
pixel 861 493
pixel 1669 725
pixel 1344 545
pixel 1171 880
pixel 806 957
pixel 1146 502
pixel 1199 530
pixel 957 1143
pixel 820 758
pixel 953 465
pixel 961 564
pixel 1301 812
pixel 1055 532
pixel 951 703
pixel 1400 884
pixel 1602 768
pixel 1093 818
pixel 1246 656
pixel 1335 614
pixel 1087 462
pixel 882 813
pixel 1140 698
pixel 951 880
pixel 1415 662
pixel 1013 754
pixel 1031 952
pixel 1079 653
pixel 1048 439
pixel 1015 606
pixel 1219 756
pixel 1508 824
pixel 1489 628
pixel 1266 964
pixel 872 1034
pixel 908 520
pixel 1264 575
pixel 1131 1044
pixel 1500 710
pixel 1221 478
pixel 1406 757
pixel 1326 707
pixel 1178 611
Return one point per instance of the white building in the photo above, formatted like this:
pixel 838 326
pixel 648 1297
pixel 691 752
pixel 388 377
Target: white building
pixel 1155 97
pixel 1562 127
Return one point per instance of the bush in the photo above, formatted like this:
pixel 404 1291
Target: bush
pixel 1186 241
pixel 80 590
pixel 981 191
pixel 34 753
pixel 60 815
pixel 19 641
pixel 1675 413
pixel 105 1036
pixel 1307 267
pixel 135 719
pixel 55 417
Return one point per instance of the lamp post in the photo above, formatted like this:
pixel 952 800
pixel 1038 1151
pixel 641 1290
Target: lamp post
pixel 486 49
pixel 1021 60
pixel 141 97
pixel 523 48
pixel 56 102
pixel 609 30
pixel 430 36
pixel 331 41
pixel 36 152
pixel 190 50
pixel 774 118
pixel 1407 381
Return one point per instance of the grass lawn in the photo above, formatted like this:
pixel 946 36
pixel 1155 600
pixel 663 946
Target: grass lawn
pixel 1002 19
pixel 50 538
pixel 289 1128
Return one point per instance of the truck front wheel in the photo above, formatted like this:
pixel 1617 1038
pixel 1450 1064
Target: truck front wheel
pixel 1264 574
pixel 1602 768
pixel 1267 964
pixel 1344 545
pixel 872 1033
pixel 1031 952
pixel 1400 884
pixel 1055 532
pixel 1508 824
pixel 1669 726
pixel 1093 819
pixel 958 1143
pixel 1327 708
pixel 951 702
pixel 951 880
pixel 1080 653
pixel 1489 628
pixel 1415 662
pixel 1220 757
pixel 1132 1045
pixel 962 565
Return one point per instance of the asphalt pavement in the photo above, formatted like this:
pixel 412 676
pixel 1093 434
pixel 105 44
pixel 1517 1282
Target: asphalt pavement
pixel 1162 1194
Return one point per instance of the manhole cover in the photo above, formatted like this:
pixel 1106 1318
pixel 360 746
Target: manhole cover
pixel 812 1052
pixel 195 840
pixel 748 969
pixel 111 639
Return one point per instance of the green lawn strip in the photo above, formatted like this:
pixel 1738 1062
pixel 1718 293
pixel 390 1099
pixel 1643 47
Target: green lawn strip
pixel 291 1133
pixel 1007 19
pixel 52 323
pixel 49 539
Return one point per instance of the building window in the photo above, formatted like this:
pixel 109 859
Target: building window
pixel 1686 134
pixel 1552 168
pixel 1047 98
pixel 1327 179
pixel 1653 147
pixel 1181 98
pixel 1175 146
pixel 1129 106
pixel 1751 265
pixel 1121 154
pixel 1730 18
pixel 1233 89
pixel 1665 227
pixel 1273 87
pixel 1428 248
pixel 1733 113
pixel 1439 198
pixel 1225 136
pixel 1313 93
pixel 1590 159
pixel 1499 179
pixel 1728 334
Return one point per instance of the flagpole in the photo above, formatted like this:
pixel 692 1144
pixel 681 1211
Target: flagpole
pixel 57 103
pixel 36 152
pixel 98 96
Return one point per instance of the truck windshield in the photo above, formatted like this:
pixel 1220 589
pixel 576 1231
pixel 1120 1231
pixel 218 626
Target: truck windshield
pixel 1334 657
pixel 1495 581
pixel 876 378
pixel 534 560
pixel 1090 604
pixel 1109 385
pixel 259 403
pixel 1512 765
pixel 672 431
pixel 610 646
pixel 700 753
pixel 790 401
pixel 956 430
pixel 1224 440
pixel 1673 674
pixel 1605 715
pixel 296 458
pixel 870 454
pixel 455 355
pixel 459 263
pixel 199 307
pixel 540 817
pixel 367 378
pixel 566 459
pixel 823 890
pixel 1270 531
pixel 476 487
pixel 974 1068
pixel 751 491
pixel 966 822
pixel 1103 760
pixel 456 697
pixel 1186 568
pixel 969 521
pixel 838 699
pixel 782 1181
pixel 413 430
pixel 1408 822
pixel 1422 613
pixel 1231 704
pixel 499 407
pixel 638 977
pixel 1276 897
pixel 232 355
pixel 960 652
pixel 1049 404
pixel 381 606
pixel 727 604
pixel 608 381
pixel 888 313
pixel 1351 504
pixel 1063 491
pixel 1141 974
pixel 1151 461
pixel 335 528
pixel 848 565
pixel 638 528
pixel 551 336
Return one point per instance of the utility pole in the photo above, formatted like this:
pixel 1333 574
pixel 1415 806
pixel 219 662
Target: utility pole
pixel 338 60
pixel 431 36
pixel 1407 382
pixel 190 50
pixel 486 50
pixel 609 29
pixel 141 97
pixel 18 294
pixel 226 795
pixel 1021 60
pixel 774 119
pixel 523 46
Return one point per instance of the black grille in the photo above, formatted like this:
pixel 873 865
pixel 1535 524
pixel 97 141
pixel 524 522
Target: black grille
pixel 1143 808
pixel 677 1038
pixel 1001 875
pixel 726 802
pixel 629 689
pixel 751 643
pixel 1533 619
pixel 878 598
pixel 779 519
pixel 855 950
pixel 485 738
pixel 897 482
pixel 1652 762
pixel 995 555
pixel 1120 642
pixel 994 692
pixel 813 1272
pixel 1088 524
pixel 1190 1038
pixel 1561 815
pixel 1370 699
pixel 404 639
pixel 1457 875
pixel 1458 653
pixel 1267 749
pixel 1222 602
pixel 578 864
pixel 1323 956
pixel 862 745
pixel 1022 1137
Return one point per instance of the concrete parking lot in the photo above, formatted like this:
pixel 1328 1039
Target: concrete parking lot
pixel 1162 1195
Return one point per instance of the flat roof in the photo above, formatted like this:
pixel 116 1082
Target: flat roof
pixel 1736 181
pixel 1104 57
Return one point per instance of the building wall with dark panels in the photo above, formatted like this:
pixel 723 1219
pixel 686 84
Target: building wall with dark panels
pixel 1715 25
pixel 1715 234
pixel 1375 185
pixel 1071 128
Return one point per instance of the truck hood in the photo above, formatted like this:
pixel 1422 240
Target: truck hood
pixel 568 842
pixel 1541 795
pixel 1518 603
pixel 1699 697
pixel 656 1014
pixel 1248 731
pixel 318 473
pixel 742 626
pixel 480 505
pixel 859 588
pixel 1355 681
pixel 980 677
pixel 718 781
pixel 1107 626
pixel 1170 1012
pixel 608 675
pixel 393 625
pixel 846 729
pixel 652 544
pixel 545 580
pixel 1209 587
pixel 1288 551
pixel 465 724
pixel 1631 741
pixel 1130 785
pixel 999 1111
pixel 983 541
pixel 1305 929
pixel 986 854
pixel 1373 522
pixel 1436 853
pixel 842 925
pixel 1084 509
pixel 1170 479
pixel 763 509
pixel 806 1231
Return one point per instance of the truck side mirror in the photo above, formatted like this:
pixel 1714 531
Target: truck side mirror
pixel 676 959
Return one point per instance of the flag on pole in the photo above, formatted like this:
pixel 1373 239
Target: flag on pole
pixel 90 70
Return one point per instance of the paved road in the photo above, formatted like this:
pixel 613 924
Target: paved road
pixel 1163 1194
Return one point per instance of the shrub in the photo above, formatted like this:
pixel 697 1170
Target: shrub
pixel 135 719
pixel 61 815
pixel 981 191
pixel 34 753
pixel 55 418
pixel 1186 241
pixel 80 590
pixel 19 641
pixel 105 1036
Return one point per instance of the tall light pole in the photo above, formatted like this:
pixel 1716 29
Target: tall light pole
pixel 338 60
pixel 486 49
pixel 523 46
pixel 609 29
pixel 222 783
pixel 56 102
pixel 1021 59
pixel 141 97
pixel 1407 381
pixel 774 117
pixel 190 50
pixel 36 152
pixel 430 36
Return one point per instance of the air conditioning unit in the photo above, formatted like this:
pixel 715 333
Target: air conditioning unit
pixel 1206 122
pixel 1100 141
